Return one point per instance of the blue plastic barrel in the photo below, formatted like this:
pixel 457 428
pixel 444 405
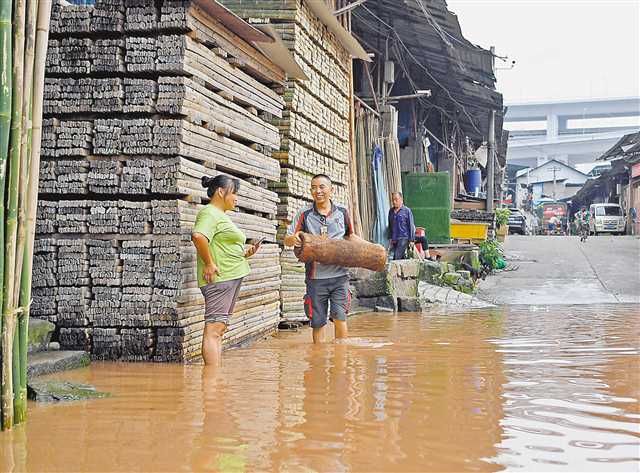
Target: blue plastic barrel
pixel 473 181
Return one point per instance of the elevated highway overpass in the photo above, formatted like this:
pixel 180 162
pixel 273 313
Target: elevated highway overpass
pixel 569 131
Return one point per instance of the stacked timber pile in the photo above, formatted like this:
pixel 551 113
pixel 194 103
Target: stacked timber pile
pixel 314 127
pixel 293 288
pixel 142 99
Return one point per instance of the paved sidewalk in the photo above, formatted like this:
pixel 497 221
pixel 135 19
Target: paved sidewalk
pixel 562 270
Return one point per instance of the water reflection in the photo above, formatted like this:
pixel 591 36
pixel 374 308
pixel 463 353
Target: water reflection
pixel 552 390
pixel 572 391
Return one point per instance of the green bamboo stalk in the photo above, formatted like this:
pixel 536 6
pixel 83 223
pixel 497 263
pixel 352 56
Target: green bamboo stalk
pixel 41 44
pixel 9 308
pixel 15 371
pixel 6 7
pixel 27 82
pixel 22 334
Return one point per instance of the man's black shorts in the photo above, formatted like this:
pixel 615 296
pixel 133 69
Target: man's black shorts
pixel 323 294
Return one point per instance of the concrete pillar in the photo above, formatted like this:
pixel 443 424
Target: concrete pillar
pixel 553 126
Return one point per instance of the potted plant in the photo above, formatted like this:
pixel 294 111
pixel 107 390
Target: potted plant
pixel 502 223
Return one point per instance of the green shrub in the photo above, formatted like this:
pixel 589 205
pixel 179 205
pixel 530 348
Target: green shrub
pixel 502 217
pixel 491 253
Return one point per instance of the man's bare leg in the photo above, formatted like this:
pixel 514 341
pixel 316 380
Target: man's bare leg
pixel 318 335
pixel 341 328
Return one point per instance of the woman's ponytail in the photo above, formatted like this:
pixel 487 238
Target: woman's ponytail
pixel 221 181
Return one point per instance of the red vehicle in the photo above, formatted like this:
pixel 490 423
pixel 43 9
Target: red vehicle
pixel 552 226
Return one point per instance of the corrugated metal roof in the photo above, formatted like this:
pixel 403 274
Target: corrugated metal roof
pixel 627 147
pixel 438 56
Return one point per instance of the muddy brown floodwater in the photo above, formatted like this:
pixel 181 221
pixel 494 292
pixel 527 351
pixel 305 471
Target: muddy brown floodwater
pixel 542 389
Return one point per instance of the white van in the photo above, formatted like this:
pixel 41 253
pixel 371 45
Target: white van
pixel 606 218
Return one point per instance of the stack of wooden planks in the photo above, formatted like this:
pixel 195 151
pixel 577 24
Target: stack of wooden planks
pixel 293 288
pixel 142 99
pixel 314 128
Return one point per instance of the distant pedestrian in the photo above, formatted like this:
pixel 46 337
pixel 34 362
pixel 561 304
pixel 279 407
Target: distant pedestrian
pixel 582 223
pixel 402 229
pixel 633 214
pixel 222 261
pixel 554 223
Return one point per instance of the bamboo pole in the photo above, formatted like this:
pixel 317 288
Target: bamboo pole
pixel 5 125
pixel 25 157
pixel 9 308
pixel 41 44
pixel 20 388
pixel 354 191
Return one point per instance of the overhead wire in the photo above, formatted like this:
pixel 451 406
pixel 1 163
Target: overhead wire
pixel 441 32
pixel 428 104
pixel 421 66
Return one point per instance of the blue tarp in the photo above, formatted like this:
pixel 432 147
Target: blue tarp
pixel 381 196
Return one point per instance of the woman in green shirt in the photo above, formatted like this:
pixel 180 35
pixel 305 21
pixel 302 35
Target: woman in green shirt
pixel 222 261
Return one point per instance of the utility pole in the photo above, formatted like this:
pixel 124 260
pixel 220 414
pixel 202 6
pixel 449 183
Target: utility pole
pixel 491 144
pixel 554 170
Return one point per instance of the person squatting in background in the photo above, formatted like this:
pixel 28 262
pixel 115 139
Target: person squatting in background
pixel 222 261
pixel 327 285
pixel 402 229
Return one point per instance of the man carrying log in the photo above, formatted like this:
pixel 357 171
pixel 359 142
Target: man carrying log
pixel 325 283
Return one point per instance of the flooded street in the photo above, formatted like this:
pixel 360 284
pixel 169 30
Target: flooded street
pixel 518 388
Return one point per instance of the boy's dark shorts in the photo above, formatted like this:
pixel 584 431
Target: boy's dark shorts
pixel 323 294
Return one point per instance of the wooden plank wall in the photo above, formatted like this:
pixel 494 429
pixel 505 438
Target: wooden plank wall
pixel 142 99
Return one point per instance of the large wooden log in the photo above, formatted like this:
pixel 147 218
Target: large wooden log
pixel 352 252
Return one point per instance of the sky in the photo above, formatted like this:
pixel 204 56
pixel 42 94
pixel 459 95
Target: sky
pixel 564 49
